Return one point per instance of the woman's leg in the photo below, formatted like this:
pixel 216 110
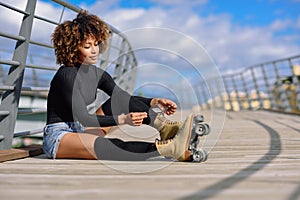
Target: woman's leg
pixel 96 131
pixel 88 146
pixel 77 145
pixel 115 149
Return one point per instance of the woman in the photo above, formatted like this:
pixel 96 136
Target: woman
pixel 70 131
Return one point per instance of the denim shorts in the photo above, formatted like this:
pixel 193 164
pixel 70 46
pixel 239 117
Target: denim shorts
pixel 53 133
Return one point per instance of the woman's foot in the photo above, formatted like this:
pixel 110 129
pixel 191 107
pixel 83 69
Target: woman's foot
pixel 167 128
pixel 178 147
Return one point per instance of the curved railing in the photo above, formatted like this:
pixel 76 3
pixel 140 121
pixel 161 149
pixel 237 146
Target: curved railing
pixel 26 69
pixel 272 85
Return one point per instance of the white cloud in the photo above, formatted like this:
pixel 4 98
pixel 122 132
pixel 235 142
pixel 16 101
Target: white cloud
pixel 231 46
pixel 278 25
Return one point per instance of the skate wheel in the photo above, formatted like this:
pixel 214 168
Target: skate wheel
pixel 200 155
pixel 202 129
pixel 199 119
pixel 207 129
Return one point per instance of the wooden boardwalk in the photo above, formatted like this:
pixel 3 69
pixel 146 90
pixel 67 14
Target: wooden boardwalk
pixel 257 156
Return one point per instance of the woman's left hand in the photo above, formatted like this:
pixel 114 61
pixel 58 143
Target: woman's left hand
pixel 169 107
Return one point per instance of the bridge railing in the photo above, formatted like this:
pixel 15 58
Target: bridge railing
pixel 28 71
pixel 272 85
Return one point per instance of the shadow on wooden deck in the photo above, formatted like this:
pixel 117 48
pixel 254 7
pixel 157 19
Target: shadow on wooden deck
pixel 256 157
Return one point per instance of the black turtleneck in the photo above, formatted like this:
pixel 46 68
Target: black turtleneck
pixel 73 88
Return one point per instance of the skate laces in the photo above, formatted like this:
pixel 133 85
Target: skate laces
pixel 170 122
pixel 165 120
pixel 162 142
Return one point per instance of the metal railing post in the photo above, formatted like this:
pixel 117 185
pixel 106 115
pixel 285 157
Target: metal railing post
pixel 229 100
pixel 205 95
pixel 120 58
pixel 221 97
pixel 212 94
pixel 238 100
pixel 295 81
pixel 281 91
pixel 256 88
pixel 269 89
pixel 246 91
pixel 199 100
pixel 105 55
pixel 132 73
pixel 10 98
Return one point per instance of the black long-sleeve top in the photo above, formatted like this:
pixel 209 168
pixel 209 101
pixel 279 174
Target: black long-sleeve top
pixel 73 88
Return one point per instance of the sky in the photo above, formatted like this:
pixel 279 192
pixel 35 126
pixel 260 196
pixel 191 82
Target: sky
pixel 236 33
pixel 184 35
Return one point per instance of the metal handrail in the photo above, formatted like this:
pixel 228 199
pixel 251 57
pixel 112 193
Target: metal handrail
pixel 31 111
pixel 6 87
pixel 41 44
pixel 46 20
pixel 14 37
pixel 67 5
pixel 27 133
pixel 254 88
pixel 36 89
pixel 14 9
pixel 3 112
pixel 32 90
pixel 41 67
pixel 9 62
pixel 246 69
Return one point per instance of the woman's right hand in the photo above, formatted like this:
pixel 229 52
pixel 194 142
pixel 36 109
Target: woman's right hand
pixel 133 118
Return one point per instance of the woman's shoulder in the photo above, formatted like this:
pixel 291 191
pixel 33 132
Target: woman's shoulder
pixel 64 73
pixel 66 70
pixel 63 69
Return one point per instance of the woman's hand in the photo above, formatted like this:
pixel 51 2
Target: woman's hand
pixel 169 107
pixel 133 118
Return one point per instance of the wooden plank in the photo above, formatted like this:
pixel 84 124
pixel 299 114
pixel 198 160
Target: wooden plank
pixel 18 153
pixel 255 158
pixel 12 154
pixel 33 150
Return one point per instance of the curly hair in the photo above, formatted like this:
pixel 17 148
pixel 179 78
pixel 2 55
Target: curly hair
pixel 70 35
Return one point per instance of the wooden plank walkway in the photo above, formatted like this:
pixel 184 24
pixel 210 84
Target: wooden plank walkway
pixel 257 156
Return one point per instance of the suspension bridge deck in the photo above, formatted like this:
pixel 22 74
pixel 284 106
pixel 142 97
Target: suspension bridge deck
pixel 256 157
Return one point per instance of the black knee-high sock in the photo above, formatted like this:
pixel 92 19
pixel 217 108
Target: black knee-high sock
pixel 115 149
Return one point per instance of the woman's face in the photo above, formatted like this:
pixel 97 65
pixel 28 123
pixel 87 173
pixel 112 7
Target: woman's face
pixel 89 51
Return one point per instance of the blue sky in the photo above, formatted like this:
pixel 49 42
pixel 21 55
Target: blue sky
pixel 258 12
pixel 235 33
pixel 247 12
pixel 275 21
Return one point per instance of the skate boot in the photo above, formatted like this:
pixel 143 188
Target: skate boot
pixel 178 146
pixel 167 128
